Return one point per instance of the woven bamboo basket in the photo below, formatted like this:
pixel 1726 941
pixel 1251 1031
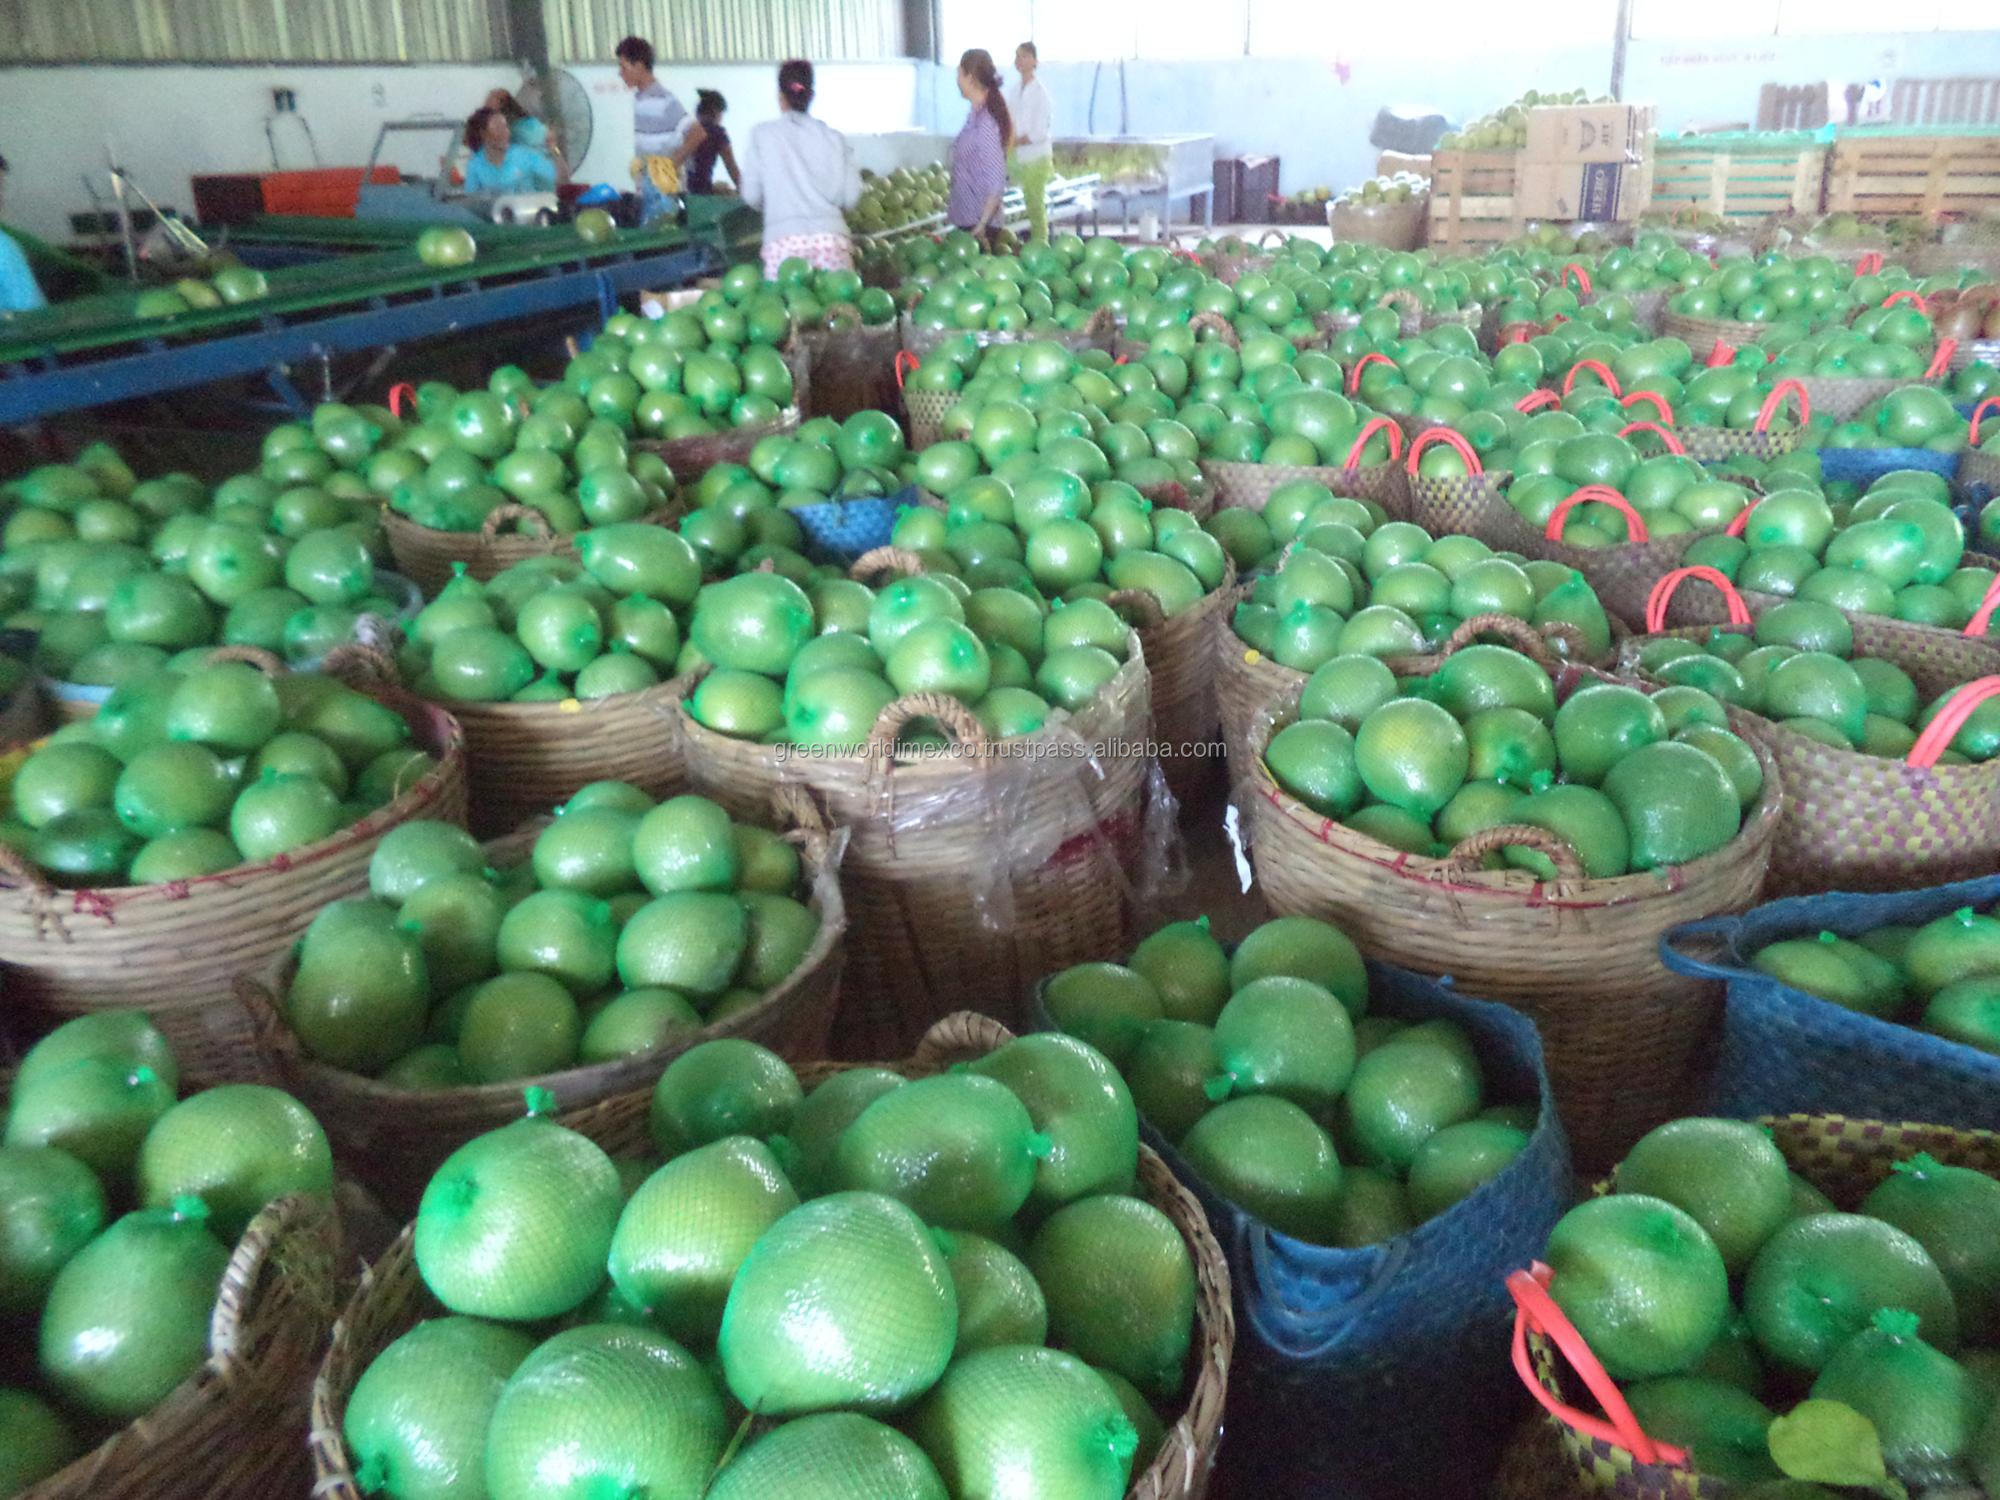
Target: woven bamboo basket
pixel 392 1298
pixel 1712 444
pixel 1841 396
pixel 1856 822
pixel 926 411
pixel 429 558
pixel 1979 471
pixel 1472 316
pixel 1845 1159
pixel 1101 332
pixel 852 369
pixel 1975 352
pixel 21 717
pixel 175 948
pixel 1580 956
pixel 233 1430
pixel 970 873
pixel 1943 260
pixel 1703 334
pixel 524 760
pixel 1179 649
pixel 394 1138
pixel 1229 269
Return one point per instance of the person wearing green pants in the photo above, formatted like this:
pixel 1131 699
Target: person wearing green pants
pixel 1034 158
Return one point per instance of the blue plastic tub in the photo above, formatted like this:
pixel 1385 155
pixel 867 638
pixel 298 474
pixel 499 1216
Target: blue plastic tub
pixel 1863 466
pixel 839 531
pixel 1787 1052
pixel 1383 1371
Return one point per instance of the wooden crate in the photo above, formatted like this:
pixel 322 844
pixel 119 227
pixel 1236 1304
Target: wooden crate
pixel 1472 200
pixel 1744 180
pixel 1914 174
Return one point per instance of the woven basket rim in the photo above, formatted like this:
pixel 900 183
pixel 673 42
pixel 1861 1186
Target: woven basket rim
pixel 1759 828
pixel 1179 1469
pixel 442 728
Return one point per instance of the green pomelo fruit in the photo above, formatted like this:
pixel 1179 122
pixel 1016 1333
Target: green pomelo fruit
pixel 51 1206
pixel 686 844
pixel 570 937
pixel 1120 1288
pixel 1925 1408
pixel 835 1456
pixel 127 1319
pixel 687 1229
pixel 98 1109
pixel 1168 1073
pixel 845 1302
pixel 1724 1174
pixel 415 853
pixel 1457 1161
pixel 637 1022
pixel 605 1410
pixel 516 1225
pixel 1820 1280
pixel 1580 816
pixel 1026 1424
pixel 360 994
pixel 1954 1213
pixel 34 1441
pixel 1269 1158
pixel 1289 1037
pixel 1106 1005
pixel 237 1147
pixel 690 941
pixel 1642 1282
pixel 1373 1209
pixel 1412 755
pixel 721 1088
pixel 1188 969
pixel 1403 1093
pixel 1139 1412
pixel 1678 804
pixel 808 1146
pixel 1599 726
pixel 119 1036
pixel 518 1026
pixel 1078 1101
pixel 958 1149
pixel 1721 1427
pixel 456 921
pixel 999 1300
pixel 1303 948
pixel 416 1421
pixel 1950 948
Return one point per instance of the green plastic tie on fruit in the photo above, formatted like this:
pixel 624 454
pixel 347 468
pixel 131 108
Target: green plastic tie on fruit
pixel 540 1102
pixel 946 1241
pixel 1921 1166
pixel 189 1209
pixel 1217 1088
pixel 457 571
pixel 1963 916
pixel 1897 1322
pixel 1541 781
pixel 373 1475
pixel 600 914
pixel 1202 921
pixel 1040 1147
pixel 1829 938
pixel 141 1076
pixel 1118 1437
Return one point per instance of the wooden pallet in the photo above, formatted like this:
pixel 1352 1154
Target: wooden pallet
pixel 1740 180
pixel 1914 174
pixel 1472 200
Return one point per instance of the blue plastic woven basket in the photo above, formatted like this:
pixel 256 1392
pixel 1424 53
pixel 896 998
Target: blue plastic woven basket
pixel 839 531
pixel 1383 1371
pixel 1787 1052
pixel 1864 466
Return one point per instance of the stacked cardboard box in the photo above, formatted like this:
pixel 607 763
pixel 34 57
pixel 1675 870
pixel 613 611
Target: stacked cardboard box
pixel 1586 162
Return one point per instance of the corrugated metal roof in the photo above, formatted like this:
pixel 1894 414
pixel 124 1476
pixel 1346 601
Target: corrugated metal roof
pixel 727 30
pixel 329 31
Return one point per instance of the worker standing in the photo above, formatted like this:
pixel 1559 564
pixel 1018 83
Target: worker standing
pixel 979 154
pixel 664 134
pixel 19 291
pixel 801 173
pixel 1034 150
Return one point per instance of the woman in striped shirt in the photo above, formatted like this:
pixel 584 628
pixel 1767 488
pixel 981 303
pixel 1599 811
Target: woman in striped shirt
pixel 979 155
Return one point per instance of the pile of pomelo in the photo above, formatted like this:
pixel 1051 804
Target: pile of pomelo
pixel 184 773
pixel 1629 781
pixel 630 925
pixel 1796 668
pixel 118 1210
pixel 1808 293
pixel 1673 494
pixel 1897 551
pixel 1772 1335
pixel 812 297
pixel 1349 586
pixel 551 628
pixel 921 1289
pixel 1941 976
pixel 1264 1068
pixel 1911 416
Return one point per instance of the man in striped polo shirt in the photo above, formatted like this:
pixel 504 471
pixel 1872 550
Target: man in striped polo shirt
pixel 664 134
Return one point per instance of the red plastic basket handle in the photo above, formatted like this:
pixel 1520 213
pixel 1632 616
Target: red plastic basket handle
pixel 1535 1310
pixel 1575 270
pixel 1869 264
pixel 1659 402
pixel 1378 424
pixel 1906 295
pixel 1983 616
pixel 1742 522
pixel 1662 595
pixel 1778 393
pixel 1372 357
pixel 1536 400
pixel 1517 333
pixel 1991 403
pixel 1604 494
pixel 1723 353
pixel 905 363
pixel 395 397
pixel 1450 439
pixel 1941 361
pixel 1942 730
pixel 1599 368
pixel 1555 318
pixel 1665 434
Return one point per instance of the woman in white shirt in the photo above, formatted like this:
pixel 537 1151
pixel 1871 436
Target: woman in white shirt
pixel 1034 119
pixel 802 175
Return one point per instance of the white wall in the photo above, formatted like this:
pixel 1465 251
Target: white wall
pixel 167 123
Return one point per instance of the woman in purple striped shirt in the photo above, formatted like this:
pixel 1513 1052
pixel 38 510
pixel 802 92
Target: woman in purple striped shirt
pixel 979 155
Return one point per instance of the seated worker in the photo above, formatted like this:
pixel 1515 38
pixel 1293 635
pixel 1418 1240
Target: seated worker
pixel 19 291
pixel 499 164
pixel 709 107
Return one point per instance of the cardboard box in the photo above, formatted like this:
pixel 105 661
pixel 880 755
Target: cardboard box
pixel 1598 192
pixel 1588 132
pixel 1389 163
